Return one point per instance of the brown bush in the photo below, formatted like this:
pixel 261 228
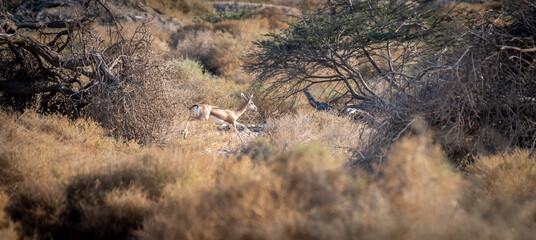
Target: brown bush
pixel 277 19
pixel 112 78
pixel 231 26
pixel 91 186
pixel 484 103
pixel 502 193
pixel 218 52
pixel 242 205
pixel 112 205
pixel 220 48
pixel 225 56
pixel 142 107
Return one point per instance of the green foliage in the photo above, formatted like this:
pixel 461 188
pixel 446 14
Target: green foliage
pixel 216 17
pixel 334 43
pixel 181 8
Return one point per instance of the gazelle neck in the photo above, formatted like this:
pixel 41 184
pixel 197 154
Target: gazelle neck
pixel 242 110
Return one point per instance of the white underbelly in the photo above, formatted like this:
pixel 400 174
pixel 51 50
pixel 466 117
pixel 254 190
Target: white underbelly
pixel 215 119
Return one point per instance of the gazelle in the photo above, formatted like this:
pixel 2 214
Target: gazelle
pixel 203 112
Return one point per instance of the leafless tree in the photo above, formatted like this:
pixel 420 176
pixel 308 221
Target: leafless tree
pixel 65 66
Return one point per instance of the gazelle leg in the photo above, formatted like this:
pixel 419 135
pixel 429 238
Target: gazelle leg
pixel 185 131
pixel 237 133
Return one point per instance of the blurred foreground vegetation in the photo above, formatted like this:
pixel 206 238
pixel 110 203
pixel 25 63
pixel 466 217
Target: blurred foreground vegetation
pixel 63 179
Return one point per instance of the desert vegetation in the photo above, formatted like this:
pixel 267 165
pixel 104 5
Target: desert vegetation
pixel 427 129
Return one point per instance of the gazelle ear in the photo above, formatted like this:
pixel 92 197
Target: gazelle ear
pixel 251 96
pixel 243 97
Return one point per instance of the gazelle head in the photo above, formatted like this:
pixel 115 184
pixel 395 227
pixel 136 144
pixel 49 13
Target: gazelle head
pixel 249 100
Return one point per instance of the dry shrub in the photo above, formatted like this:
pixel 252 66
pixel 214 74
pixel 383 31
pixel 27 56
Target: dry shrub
pixel 224 57
pixel 51 148
pixel 220 48
pixel 141 111
pixel 233 212
pixel 512 175
pixel 114 78
pixel 110 202
pixel 483 103
pixel 231 26
pixel 277 19
pixel 503 193
pixel 41 153
pixel 306 194
pixel 421 189
pixel 90 207
pixel 218 52
pixel 37 209
pixel 430 199
pixel 10 176
pixel 141 106
pixel 310 126
pixel 73 188
pixel 248 201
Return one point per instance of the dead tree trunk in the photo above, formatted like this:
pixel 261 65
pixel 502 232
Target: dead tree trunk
pixel 319 106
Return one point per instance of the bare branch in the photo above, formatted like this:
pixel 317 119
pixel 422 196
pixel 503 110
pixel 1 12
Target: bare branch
pixel 523 50
pixel 45 52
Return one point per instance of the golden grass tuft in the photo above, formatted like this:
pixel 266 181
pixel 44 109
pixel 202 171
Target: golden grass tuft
pixel 502 194
pixel 52 148
pixel 508 175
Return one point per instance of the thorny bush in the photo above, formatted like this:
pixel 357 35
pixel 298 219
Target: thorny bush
pixel 65 66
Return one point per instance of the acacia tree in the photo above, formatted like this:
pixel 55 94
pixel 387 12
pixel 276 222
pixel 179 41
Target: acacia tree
pixel 358 50
pixel 469 75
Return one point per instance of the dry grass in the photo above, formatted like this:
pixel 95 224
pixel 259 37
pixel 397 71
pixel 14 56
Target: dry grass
pixel 36 148
pixel 221 48
pixel 72 179
pixel 310 126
